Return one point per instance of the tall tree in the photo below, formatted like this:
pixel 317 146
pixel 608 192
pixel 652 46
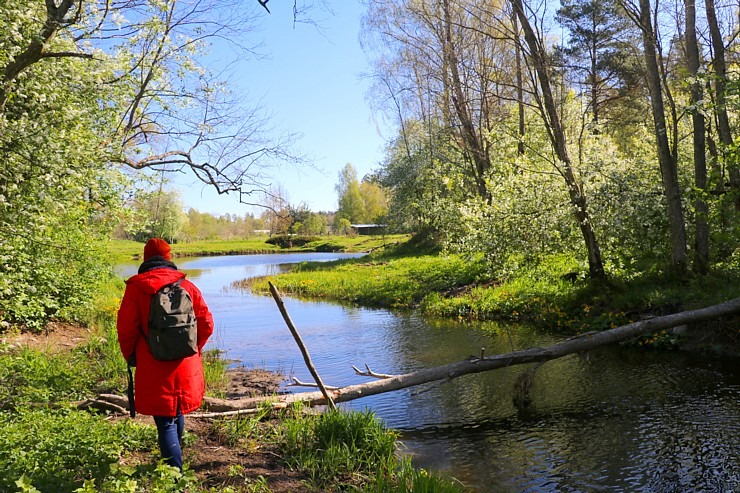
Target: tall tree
pixel 549 111
pixel 667 158
pixel 720 79
pixel 440 67
pixel 351 206
pixel 91 87
pixel 701 239
pixel 595 48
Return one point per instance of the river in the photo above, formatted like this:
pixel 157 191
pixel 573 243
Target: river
pixel 613 420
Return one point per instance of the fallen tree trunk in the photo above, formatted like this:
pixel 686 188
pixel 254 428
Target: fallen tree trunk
pixel 477 365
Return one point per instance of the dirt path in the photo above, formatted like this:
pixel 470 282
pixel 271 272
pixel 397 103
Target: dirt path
pixel 220 460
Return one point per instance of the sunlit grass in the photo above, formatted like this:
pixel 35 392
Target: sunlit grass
pixel 354 450
pixel 388 282
pixel 126 250
pixel 553 292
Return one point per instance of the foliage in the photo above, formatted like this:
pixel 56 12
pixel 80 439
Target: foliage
pixel 308 223
pixel 599 53
pixel 59 450
pixel 342 225
pixel 154 214
pixel 551 291
pixel 335 445
pixel 30 375
pixel 289 241
pixel 382 281
pixel 359 202
pixel 423 183
pixel 353 450
pixel 491 181
pixel 52 191
pixel 89 88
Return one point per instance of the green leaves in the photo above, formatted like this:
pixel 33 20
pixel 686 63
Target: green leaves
pixel 56 451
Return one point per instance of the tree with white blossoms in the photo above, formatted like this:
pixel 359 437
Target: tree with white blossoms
pixel 91 91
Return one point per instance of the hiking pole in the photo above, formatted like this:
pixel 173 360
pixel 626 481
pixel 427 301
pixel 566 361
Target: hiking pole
pixel 299 341
pixel 130 392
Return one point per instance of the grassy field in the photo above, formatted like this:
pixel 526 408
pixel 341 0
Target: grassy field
pixel 122 250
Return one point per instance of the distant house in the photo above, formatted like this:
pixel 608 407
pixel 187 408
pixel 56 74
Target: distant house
pixel 368 229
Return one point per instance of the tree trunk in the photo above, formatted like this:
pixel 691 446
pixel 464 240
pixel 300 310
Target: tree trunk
pixel 668 167
pixel 519 86
pixel 701 241
pixel 557 137
pixel 720 79
pixel 470 135
pixel 478 365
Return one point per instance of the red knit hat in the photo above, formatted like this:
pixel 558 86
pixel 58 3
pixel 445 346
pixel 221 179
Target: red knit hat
pixel 157 247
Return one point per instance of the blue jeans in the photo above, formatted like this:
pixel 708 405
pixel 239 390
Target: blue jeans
pixel 170 431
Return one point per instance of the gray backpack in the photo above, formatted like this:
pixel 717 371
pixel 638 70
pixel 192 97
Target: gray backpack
pixel 173 330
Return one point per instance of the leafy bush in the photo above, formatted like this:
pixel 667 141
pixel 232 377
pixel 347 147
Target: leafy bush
pixel 60 450
pixel 29 375
pixel 290 241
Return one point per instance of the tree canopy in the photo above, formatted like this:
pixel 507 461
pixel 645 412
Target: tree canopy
pixel 91 92
pixel 514 141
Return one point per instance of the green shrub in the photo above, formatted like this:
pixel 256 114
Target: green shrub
pixel 337 445
pixel 354 450
pixel 59 450
pixel 290 241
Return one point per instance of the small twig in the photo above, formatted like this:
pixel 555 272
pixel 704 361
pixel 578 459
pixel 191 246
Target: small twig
pixel 101 405
pixel 224 413
pixel 298 383
pixel 370 373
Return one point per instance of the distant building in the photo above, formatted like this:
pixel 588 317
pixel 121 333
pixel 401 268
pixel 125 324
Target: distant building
pixel 368 229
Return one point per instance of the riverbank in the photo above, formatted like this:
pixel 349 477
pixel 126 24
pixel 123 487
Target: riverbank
pixel 44 378
pixel 126 250
pixel 553 293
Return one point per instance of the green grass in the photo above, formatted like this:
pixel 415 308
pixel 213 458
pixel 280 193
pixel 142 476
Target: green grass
pixel 553 292
pixel 376 281
pixel 124 250
pixel 353 450
pixel 46 444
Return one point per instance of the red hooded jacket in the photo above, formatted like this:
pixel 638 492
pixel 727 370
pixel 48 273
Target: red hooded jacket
pixel 161 387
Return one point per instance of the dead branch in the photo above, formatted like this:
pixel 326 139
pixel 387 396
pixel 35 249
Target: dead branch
pixel 101 405
pixel 281 306
pixel 370 373
pixel 298 383
pixel 240 412
pixel 578 344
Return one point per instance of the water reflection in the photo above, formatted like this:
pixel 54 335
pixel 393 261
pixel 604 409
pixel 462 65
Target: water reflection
pixel 614 419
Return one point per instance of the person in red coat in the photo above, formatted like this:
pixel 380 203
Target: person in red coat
pixel 166 390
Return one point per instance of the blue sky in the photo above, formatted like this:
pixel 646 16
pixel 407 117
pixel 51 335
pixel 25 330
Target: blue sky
pixel 311 83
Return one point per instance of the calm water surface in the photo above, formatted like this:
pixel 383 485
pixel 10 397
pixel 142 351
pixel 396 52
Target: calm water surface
pixel 614 420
